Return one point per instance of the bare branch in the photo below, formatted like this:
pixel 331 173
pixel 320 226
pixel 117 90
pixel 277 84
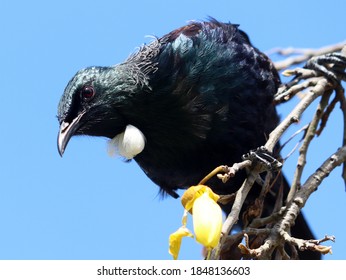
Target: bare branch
pixel 224 172
pixel 296 113
pixel 310 134
pixel 271 233
pixel 304 54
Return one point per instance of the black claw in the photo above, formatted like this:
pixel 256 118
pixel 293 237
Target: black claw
pixel 330 65
pixel 263 156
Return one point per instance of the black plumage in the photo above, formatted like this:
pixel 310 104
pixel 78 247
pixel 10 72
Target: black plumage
pixel 201 95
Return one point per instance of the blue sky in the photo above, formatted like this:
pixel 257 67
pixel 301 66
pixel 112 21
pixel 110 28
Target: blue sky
pixel 87 205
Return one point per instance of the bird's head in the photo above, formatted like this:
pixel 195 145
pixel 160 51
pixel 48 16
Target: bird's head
pixel 92 103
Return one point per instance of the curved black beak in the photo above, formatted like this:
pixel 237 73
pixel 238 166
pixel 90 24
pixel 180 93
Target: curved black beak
pixel 66 131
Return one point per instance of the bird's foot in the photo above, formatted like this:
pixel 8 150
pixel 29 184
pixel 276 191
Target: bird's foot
pixel 331 65
pixel 263 156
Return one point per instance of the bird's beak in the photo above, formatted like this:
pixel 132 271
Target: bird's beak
pixel 66 132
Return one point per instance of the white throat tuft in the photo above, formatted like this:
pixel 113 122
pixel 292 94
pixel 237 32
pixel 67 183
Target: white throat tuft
pixel 128 143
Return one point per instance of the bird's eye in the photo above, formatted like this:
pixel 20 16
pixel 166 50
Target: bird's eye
pixel 87 92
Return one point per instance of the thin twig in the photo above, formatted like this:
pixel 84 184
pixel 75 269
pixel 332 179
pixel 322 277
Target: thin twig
pixel 296 113
pixel 306 54
pixel 280 230
pixel 342 99
pixel 278 225
pixel 234 169
pixel 287 91
pixel 224 172
pixel 233 216
pixel 310 185
pixel 290 139
pixel 273 139
pixel 219 169
pixel 312 245
pixel 310 134
pixel 239 200
pixel 326 114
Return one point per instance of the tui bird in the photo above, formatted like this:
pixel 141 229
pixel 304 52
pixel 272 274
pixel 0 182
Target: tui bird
pixel 199 97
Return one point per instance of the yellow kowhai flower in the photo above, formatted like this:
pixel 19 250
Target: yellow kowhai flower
pixel 207 220
pixel 175 241
pixel 201 202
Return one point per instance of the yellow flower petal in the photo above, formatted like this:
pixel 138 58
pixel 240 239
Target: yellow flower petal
pixel 207 219
pixel 175 241
pixel 212 195
pixel 189 196
pixel 192 193
pixel 184 219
